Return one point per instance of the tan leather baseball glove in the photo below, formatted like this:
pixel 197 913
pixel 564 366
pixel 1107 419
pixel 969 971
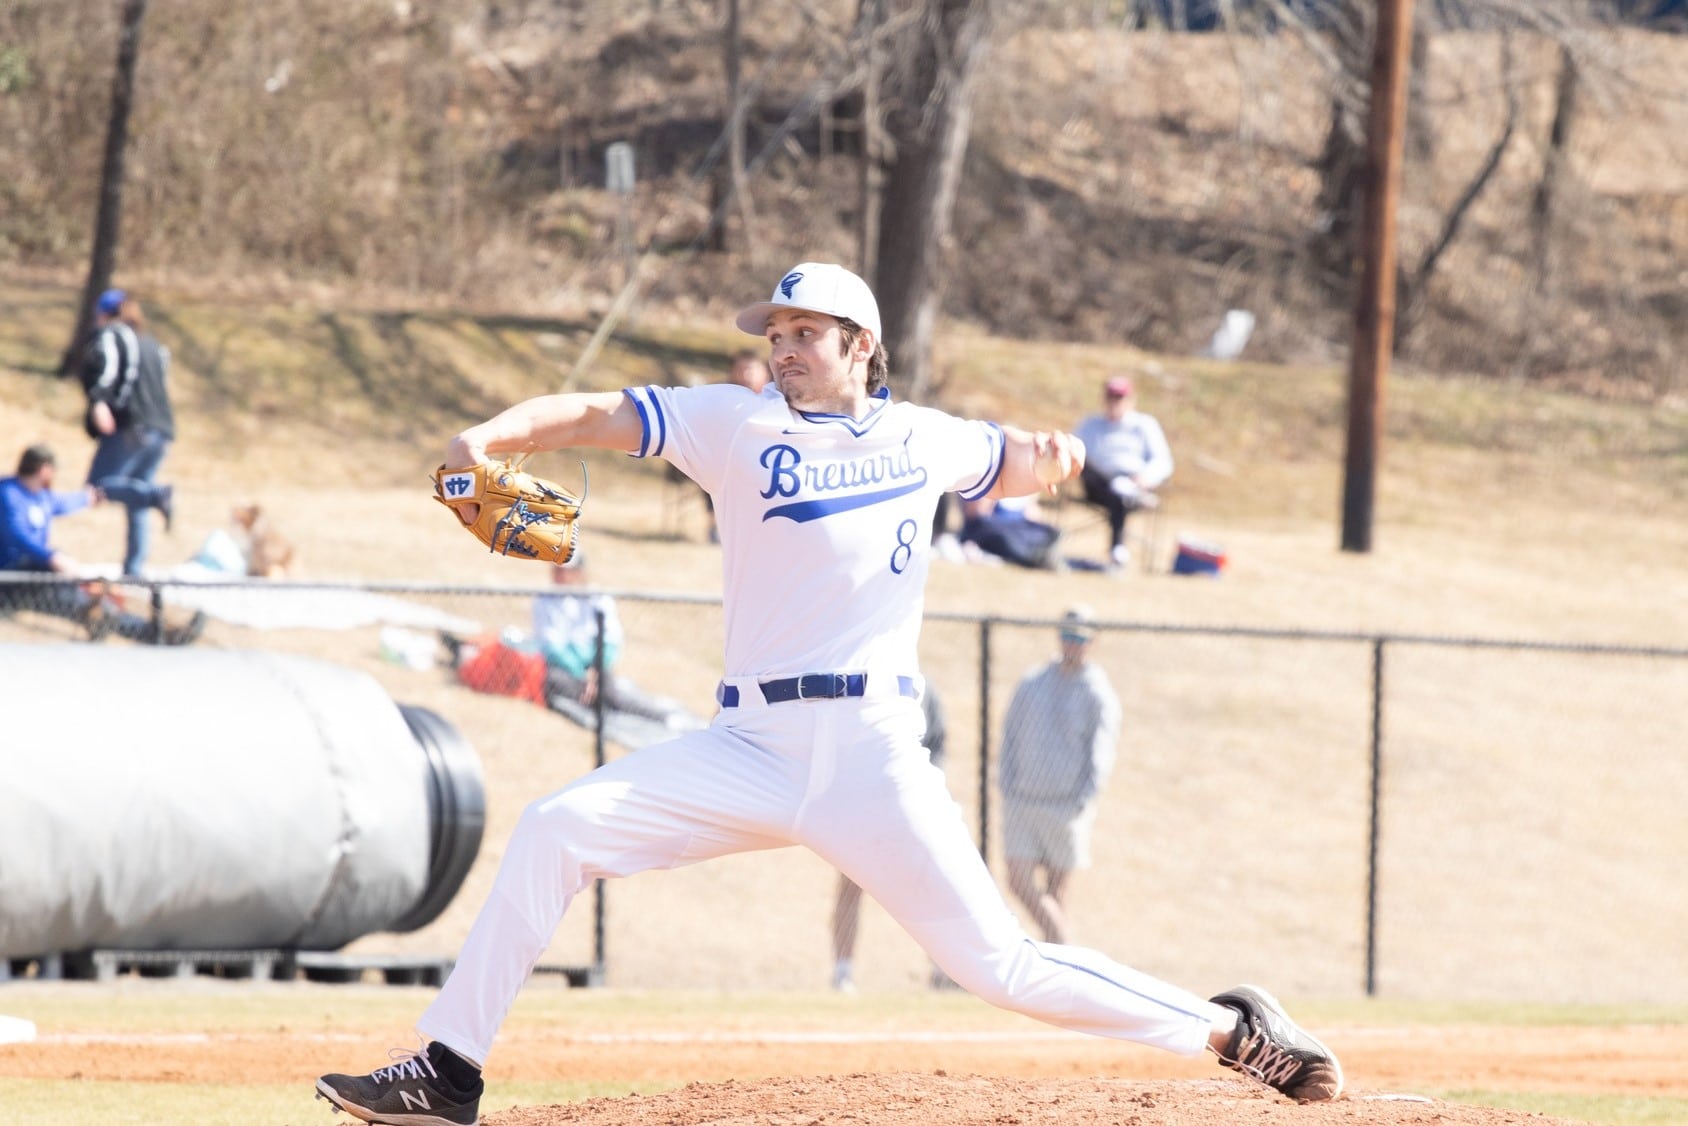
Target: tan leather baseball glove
pixel 512 512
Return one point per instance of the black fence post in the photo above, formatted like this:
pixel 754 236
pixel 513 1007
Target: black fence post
pixel 1376 801
pixel 601 674
pixel 157 592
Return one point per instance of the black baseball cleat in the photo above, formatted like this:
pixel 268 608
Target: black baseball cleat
pixel 407 1092
pixel 1272 1048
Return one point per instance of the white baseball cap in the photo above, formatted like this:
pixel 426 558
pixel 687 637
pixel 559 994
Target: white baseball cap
pixel 818 287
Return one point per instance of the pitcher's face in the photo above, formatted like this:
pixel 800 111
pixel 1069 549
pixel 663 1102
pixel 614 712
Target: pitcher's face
pixel 812 367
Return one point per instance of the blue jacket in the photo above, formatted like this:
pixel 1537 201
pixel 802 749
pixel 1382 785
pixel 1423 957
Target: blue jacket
pixel 26 519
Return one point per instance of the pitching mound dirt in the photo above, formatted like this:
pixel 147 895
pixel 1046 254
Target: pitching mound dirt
pixel 971 1100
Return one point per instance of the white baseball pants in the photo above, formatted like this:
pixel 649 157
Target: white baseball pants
pixel 849 780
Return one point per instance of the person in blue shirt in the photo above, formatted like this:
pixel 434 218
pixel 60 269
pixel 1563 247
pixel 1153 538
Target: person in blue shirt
pixel 28 506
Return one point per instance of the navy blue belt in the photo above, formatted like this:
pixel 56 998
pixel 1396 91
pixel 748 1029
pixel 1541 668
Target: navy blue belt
pixel 814 686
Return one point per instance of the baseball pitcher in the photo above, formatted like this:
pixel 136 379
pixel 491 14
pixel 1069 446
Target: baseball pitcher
pixel 824 490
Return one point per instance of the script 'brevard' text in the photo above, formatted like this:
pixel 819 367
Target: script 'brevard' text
pixel 789 475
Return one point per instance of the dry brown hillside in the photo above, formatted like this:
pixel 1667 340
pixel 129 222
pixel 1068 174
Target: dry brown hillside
pixel 1122 187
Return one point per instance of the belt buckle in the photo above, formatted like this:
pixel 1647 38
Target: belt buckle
pixel 834 682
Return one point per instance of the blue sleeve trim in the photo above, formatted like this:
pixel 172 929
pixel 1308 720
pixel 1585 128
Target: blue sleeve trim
pixel 636 396
pixel 661 422
pixel 988 482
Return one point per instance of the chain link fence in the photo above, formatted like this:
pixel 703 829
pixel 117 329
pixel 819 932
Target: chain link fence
pixel 1330 813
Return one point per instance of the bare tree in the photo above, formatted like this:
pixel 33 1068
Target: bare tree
pixel 729 185
pixel 1346 46
pixel 1413 283
pixel 1545 205
pixel 872 156
pixel 1545 202
pixel 929 117
pixel 1340 41
pixel 108 222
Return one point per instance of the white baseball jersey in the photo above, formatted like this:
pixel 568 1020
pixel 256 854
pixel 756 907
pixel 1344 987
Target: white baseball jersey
pixel 825 521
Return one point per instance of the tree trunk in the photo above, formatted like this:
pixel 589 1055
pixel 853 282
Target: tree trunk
pixel 1413 286
pixel 1545 203
pixel 872 154
pixel 929 122
pixel 1544 218
pixel 108 222
pixel 729 185
pixel 1342 162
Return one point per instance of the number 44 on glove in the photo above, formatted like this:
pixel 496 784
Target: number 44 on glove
pixel 512 512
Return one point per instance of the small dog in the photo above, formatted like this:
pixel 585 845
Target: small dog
pixel 269 554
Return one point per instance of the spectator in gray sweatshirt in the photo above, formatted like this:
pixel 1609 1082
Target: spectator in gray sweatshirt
pixel 1058 746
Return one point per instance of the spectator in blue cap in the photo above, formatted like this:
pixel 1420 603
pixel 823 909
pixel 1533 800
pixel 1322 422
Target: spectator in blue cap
pixel 126 376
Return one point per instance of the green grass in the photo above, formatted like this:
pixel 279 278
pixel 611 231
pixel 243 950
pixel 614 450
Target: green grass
pixel 47 1102
pixel 1608 1110
pixel 50 1102
pixel 291 1012
pixel 1521 1014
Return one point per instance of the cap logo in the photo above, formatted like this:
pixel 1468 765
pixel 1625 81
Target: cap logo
pixel 789 282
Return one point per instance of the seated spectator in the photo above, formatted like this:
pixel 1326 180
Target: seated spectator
pixel 565 628
pixel 1008 529
pixel 28 506
pixel 1126 459
pixel 557 664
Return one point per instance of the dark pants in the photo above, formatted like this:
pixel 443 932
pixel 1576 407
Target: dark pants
pixel 1099 490
pixel 70 600
pixel 125 467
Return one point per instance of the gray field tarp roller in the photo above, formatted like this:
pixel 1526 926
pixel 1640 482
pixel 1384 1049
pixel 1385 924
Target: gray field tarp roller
pixel 172 798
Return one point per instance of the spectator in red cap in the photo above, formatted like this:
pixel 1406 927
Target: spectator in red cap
pixel 1126 460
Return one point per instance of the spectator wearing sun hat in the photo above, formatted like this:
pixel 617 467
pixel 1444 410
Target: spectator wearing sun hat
pixel 1126 460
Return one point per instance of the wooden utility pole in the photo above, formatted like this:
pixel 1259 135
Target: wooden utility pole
pixel 1374 307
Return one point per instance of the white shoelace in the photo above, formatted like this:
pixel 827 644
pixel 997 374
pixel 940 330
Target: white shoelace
pixel 408 1064
pixel 1259 1057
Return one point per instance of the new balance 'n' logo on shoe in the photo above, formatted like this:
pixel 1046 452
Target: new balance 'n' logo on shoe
pixel 1270 1047
pixel 407 1092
